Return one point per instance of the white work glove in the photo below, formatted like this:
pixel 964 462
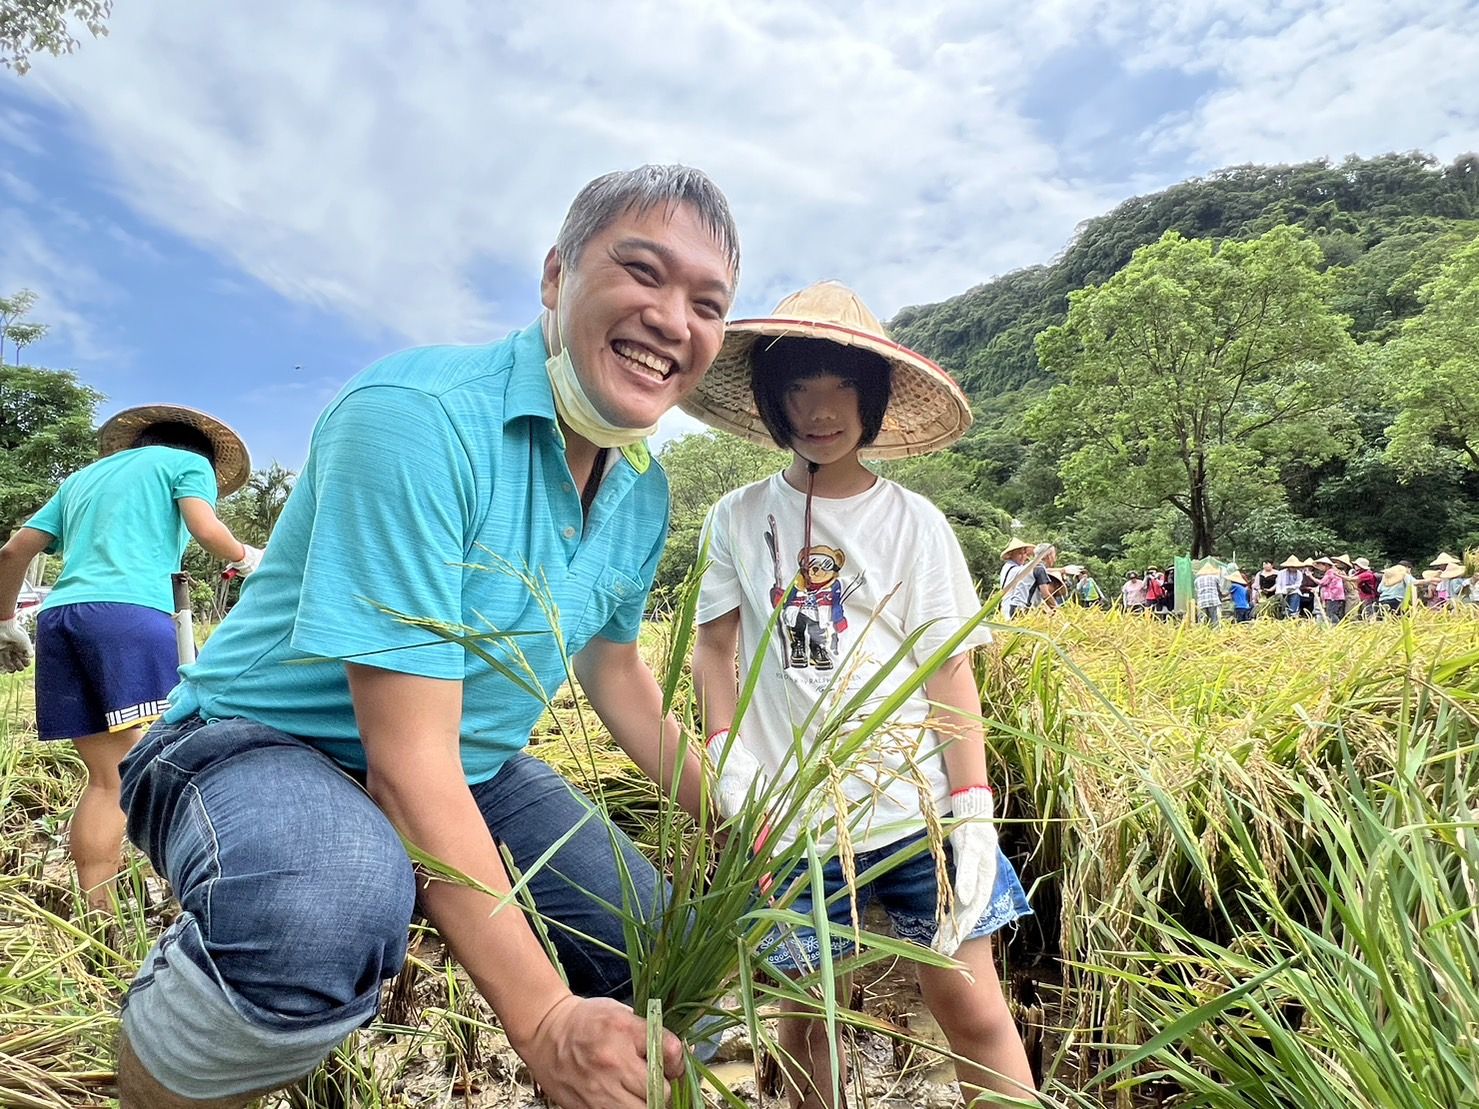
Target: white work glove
pixel 251 558
pixel 973 839
pixel 16 651
pixel 738 771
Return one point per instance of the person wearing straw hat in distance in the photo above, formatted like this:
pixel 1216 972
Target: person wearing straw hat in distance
pixel 106 652
pixel 1237 587
pixel 1368 584
pixel 504 488
pixel 1331 589
pixel 1455 583
pixel 821 378
pixel 1015 583
pixel 1287 585
pixel 1396 581
pixel 1209 592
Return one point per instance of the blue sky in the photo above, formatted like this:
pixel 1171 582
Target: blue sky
pixel 238 207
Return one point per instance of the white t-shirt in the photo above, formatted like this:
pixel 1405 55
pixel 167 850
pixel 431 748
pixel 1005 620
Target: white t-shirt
pixel 885 562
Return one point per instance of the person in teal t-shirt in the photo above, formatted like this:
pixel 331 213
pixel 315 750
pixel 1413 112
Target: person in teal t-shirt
pixel 106 655
pixel 503 487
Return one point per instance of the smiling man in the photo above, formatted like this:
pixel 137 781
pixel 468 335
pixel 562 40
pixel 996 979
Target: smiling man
pixel 499 487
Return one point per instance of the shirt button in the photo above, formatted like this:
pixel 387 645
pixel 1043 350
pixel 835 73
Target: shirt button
pixel 569 533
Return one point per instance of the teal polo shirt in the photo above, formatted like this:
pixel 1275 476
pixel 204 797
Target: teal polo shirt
pixel 119 529
pixel 436 486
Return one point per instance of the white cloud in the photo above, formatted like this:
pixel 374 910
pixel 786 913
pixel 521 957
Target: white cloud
pixel 407 167
pixel 383 167
pixel 1328 79
pixel 68 290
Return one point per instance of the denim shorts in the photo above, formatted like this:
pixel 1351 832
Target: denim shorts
pixel 296 898
pixel 909 893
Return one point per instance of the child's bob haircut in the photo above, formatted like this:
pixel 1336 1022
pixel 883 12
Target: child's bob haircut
pixel 777 363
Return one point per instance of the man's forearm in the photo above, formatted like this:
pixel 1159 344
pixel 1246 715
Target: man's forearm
pixel 496 947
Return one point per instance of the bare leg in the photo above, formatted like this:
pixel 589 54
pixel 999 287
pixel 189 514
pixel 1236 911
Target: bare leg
pixel 137 1088
pixel 976 1020
pixel 95 837
pixel 808 1079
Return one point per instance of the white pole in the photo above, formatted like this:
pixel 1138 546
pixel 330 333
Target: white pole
pixel 184 620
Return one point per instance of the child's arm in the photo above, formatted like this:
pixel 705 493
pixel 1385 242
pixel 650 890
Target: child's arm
pixel 953 689
pixel 715 679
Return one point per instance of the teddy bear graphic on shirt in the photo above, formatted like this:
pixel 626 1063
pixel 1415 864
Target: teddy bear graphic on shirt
pixel 812 609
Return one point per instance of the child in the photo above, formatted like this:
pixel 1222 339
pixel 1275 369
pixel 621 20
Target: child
pixel 856 563
pixel 107 655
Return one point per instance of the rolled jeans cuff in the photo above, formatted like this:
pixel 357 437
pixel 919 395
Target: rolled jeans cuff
pixel 195 1038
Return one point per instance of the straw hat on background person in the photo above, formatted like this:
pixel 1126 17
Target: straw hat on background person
pixel 1394 574
pixel 1292 563
pixel 926 409
pixel 1207 567
pixel 1432 575
pixel 1443 559
pixel 1238 578
pixel 1449 573
pixel 1343 560
pixel 1014 546
pixel 233 463
pixel 1363 563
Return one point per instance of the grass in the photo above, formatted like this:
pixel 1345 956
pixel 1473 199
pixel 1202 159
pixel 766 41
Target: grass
pixel 1252 854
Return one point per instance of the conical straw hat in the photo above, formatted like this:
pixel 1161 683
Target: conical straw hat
pixel 233 463
pixel 1449 573
pixel 1014 545
pixel 1443 559
pixel 1393 574
pixel 1292 563
pixel 926 409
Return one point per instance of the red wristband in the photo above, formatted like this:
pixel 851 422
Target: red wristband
pixel 967 789
pixel 713 734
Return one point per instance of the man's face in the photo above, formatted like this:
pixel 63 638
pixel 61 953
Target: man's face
pixel 642 311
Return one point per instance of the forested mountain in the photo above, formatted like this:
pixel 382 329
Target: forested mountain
pixel 1375 215
pixel 1392 234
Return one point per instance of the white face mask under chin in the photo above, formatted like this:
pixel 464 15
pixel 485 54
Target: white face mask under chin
pixel 575 408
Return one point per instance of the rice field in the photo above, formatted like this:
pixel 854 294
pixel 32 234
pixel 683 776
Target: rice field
pixel 1252 855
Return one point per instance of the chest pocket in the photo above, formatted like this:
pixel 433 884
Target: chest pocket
pixel 612 591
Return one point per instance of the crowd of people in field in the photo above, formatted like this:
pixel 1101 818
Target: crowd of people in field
pixel 1327 589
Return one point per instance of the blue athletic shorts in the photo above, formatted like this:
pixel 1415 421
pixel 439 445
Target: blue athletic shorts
pixel 102 668
pixel 909 893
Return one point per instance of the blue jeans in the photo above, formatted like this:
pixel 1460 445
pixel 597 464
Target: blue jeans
pixel 909 894
pixel 296 897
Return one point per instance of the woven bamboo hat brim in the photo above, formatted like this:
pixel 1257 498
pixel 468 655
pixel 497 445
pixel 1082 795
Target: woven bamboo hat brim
pixel 233 463
pixel 926 409
pixel 1393 574
pixel 1238 579
pixel 1443 559
pixel 1292 563
pixel 1016 545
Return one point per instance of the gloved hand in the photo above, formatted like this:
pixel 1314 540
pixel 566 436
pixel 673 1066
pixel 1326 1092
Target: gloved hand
pixel 738 770
pixel 250 558
pixel 974 841
pixel 16 651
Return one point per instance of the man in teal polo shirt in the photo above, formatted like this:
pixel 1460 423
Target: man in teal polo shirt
pixel 503 488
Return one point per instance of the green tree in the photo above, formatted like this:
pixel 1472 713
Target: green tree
pixel 701 468
pixel 46 432
pixel 1431 371
pixel 29 26
pixel 13 309
pixel 1191 374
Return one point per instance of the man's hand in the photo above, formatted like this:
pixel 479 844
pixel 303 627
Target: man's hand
pixel 16 651
pixel 974 842
pixel 591 1053
pixel 738 772
pixel 251 558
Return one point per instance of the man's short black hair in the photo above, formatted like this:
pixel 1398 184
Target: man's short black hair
pixel 181 436
pixel 775 364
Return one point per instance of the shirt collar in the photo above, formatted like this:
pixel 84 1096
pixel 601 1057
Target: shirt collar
pixel 529 392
